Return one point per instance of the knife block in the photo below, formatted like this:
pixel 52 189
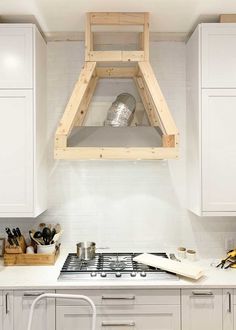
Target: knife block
pixel 16 249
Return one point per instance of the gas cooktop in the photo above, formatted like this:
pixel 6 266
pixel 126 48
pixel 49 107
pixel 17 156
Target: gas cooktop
pixel 111 266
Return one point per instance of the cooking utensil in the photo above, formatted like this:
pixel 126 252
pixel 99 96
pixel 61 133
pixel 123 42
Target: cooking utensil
pixel 53 233
pixel 58 228
pixel 173 257
pixel 18 231
pixel 57 237
pixel 10 241
pixel 41 226
pixel 37 234
pixel 34 239
pixel 230 254
pixel 86 250
pixel 15 233
pixel 11 236
pixel 46 234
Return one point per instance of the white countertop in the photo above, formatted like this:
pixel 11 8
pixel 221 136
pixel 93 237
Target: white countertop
pixel 45 277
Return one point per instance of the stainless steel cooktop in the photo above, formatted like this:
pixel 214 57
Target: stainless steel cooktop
pixel 107 266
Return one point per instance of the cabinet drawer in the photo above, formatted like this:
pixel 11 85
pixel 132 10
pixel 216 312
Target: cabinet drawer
pixel 124 297
pixel 16 56
pixel 110 318
pixel 219 56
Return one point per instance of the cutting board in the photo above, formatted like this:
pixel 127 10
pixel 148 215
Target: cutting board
pixel 180 268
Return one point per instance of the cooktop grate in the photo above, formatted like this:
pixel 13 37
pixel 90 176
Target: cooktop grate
pixel 109 263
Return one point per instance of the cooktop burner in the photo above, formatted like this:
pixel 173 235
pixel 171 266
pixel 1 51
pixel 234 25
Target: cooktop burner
pixel 111 265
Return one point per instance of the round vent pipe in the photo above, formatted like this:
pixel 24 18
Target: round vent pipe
pixel 121 112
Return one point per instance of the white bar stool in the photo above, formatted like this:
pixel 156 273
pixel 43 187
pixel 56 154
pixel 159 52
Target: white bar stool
pixel 63 296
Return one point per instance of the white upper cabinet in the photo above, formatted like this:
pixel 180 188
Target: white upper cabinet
pixel 218 150
pixel 218 55
pixel 16 56
pixel 16 141
pixel 211 117
pixel 23 158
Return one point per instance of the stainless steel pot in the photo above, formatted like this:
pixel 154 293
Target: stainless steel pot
pixel 86 250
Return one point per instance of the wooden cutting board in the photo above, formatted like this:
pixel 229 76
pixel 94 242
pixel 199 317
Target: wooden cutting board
pixel 180 268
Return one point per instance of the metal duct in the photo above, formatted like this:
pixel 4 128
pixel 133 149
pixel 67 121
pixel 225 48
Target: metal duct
pixel 121 111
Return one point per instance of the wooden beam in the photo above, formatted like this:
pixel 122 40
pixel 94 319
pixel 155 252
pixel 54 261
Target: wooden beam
pixel 116 56
pixel 88 40
pixel 83 109
pixel 112 18
pixel 69 117
pixel 150 82
pixel 116 153
pixel 169 141
pixel 61 141
pixel 146 37
pixel 148 105
pixel 115 38
pixel 228 18
pixel 117 72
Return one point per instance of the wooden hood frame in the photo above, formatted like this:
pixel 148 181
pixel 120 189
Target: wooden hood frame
pixel 147 85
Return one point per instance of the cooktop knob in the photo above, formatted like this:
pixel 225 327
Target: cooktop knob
pixel 103 274
pixel 133 274
pixel 93 274
pixel 143 274
pixel 118 274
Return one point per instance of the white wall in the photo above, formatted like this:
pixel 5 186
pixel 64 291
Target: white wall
pixel 121 204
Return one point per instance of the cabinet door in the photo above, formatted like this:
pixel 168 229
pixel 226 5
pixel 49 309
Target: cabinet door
pixel 7 311
pixel 44 313
pixel 16 55
pixel 16 144
pixel 218 150
pixel 202 309
pixel 219 55
pixel 141 317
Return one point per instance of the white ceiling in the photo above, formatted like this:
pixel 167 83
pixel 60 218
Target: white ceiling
pixel 166 15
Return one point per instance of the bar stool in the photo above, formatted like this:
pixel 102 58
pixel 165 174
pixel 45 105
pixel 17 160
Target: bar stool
pixel 63 296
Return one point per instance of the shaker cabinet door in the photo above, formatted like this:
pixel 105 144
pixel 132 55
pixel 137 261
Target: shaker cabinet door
pixel 202 309
pixel 44 312
pixel 218 150
pixel 16 60
pixel 16 157
pixel 218 56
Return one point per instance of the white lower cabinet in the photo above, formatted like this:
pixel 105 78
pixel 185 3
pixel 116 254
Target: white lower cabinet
pixel 44 313
pixel 201 309
pixel 122 309
pixel 138 309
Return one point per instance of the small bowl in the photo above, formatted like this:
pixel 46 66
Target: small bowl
pixel 46 249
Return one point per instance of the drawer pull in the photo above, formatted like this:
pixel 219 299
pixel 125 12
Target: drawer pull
pixel 230 302
pixel 6 303
pixel 118 323
pixel 107 297
pixel 202 294
pixel 33 294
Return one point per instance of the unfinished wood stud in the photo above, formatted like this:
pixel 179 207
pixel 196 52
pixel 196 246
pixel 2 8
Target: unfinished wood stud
pixel 145 80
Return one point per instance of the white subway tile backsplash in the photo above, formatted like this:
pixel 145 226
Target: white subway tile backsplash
pixel 123 204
